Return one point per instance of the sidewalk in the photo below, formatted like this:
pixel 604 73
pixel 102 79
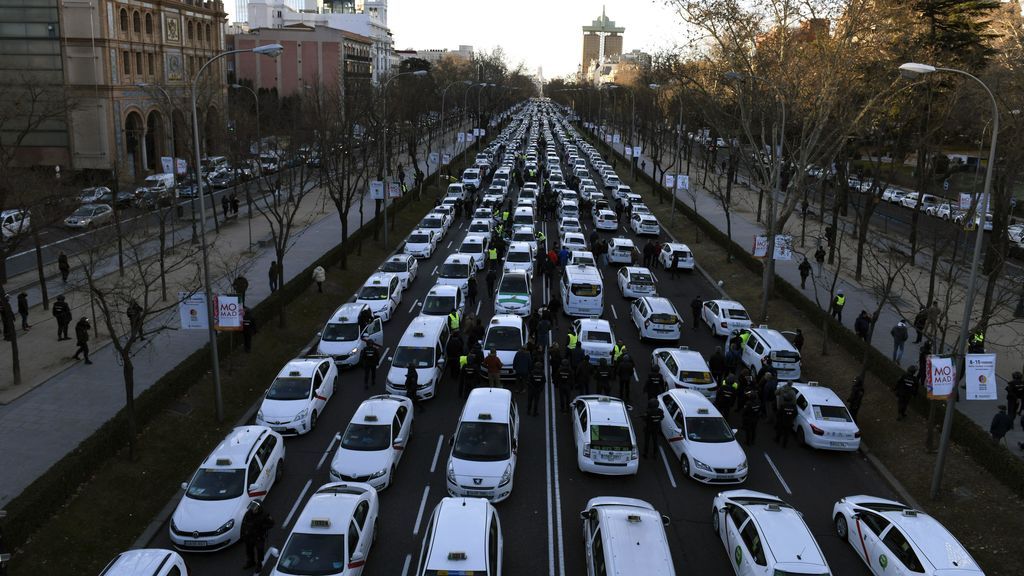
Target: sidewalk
pixel 1001 339
pixel 72 399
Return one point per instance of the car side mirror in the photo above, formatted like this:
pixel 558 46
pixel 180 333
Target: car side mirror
pixel 665 520
pixel 184 485
pixel 515 445
pixel 273 553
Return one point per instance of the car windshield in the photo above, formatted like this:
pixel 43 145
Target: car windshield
pixel 438 305
pixel 373 292
pixel 366 437
pixel 479 227
pixel 413 356
pixel 605 437
pixel 735 313
pixel 419 238
pixel 394 266
pixel 337 332
pixel 513 285
pixel 503 338
pixel 471 248
pixel 83 211
pixel 454 270
pixel 832 413
pixel 432 223
pixel 216 484
pixel 289 388
pixel 518 256
pixel 594 336
pixel 482 441
pixel 708 429
pixel 313 554
pixel 640 278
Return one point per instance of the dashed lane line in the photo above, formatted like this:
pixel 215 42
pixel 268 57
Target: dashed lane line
pixel 437 452
pixel 419 515
pixel 668 469
pixel 288 519
pixel 778 474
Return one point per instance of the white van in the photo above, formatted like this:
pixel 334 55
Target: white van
pixel 523 217
pixel 14 223
pixel 482 461
pixel 422 347
pixel 625 537
pixel 582 291
pixel 463 536
pixel 456 270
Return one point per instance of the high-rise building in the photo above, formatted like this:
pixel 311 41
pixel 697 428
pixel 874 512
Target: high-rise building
pixel 602 41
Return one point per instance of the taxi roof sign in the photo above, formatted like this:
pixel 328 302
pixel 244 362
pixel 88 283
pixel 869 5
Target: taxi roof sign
pixel 320 523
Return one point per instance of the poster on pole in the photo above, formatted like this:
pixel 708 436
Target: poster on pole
pixel 377 190
pixel 683 182
pixel 394 190
pixel 607 137
pixel 432 158
pixel 166 164
pixel 192 311
pixel 940 377
pixel 446 159
pixel 965 201
pixel 783 247
pixel 670 181
pixel 629 151
pixel 470 137
pixel 181 166
pixel 637 151
pixel 460 137
pixel 615 139
pixel 980 376
pixel 227 313
pixel 483 132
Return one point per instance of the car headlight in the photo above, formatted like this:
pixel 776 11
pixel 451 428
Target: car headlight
pixel 301 415
pixel 226 526
pixel 336 472
pixel 259 416
pixel 379 473
pixel 701 466
pixel 507 476
pixel 355 350
pixel 451 474
pixel 743 465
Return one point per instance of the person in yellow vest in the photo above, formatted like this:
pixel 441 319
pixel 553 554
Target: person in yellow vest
pixel 492 257
pixel 618 351
pixel 744 336
pixel 976 344
pixel 837 305
pixel 453 320
pixel 573 341
pixel 504 215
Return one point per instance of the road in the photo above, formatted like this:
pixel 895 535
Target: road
pixel 540 521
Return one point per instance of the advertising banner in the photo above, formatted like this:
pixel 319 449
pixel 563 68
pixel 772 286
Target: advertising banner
pixel 670 181
pixel 377 190
pixel 980 376
pixel 227 313
pixel 683 182
pixel 192 311
pixel 940 377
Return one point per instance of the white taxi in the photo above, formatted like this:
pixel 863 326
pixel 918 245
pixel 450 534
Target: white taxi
pixel 684 368
pixel 298 395
pixel 656 318
pixel 421 243
pixel 635 282
pixel 481 227
pixel 343 338
pixel 569 225
pixel 724 316
pixel 523 234
pixel 241 469
pixel 645 224
pixel 333 534
pixel 763 535
pixel 622 251
pixel 514 295
pixel 442 299
pixel 404 265
pixel 701 438
pixel 568 208
pixel 822 420
pixel 456 270
pixel 519 258
pixel 463 536
pixel 625 537
pixel 506 334
pixel 146 562
pixel 596 338
pixel 574 241
pixel 475 246
pixel 606 220
pixel 482 461
pixel 373 442
pixel 668 253
pixel 603 436
pixel 382 292
pixel 893 538
pixel 582 258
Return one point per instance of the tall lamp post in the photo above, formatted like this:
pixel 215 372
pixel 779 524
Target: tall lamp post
pixel 465 98
pixel 778 136
pixel 384 142
pixel 273 51
pixel 259 153
pixel 911 71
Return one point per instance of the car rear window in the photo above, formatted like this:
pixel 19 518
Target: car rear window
pixel 610 438
pixel 586 289
pixel 664 318
pixel 832 413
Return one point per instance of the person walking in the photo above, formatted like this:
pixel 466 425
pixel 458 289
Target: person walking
pixel 64 266
pixel 805 272
pixel 899 340
pixel 837 305
pixel 23 311
pixel 319 276
pixel 493 365
pixel 695 305
pixel 1001 424
pixel 717 364
pixel 654 385
pixel 369 358
pixel 62 313
pixel 625 374
pixel 272 275
pixel 241 286
pixel 920 323
pixel 652 427
pixel 255 525
pixel 455 351
pixel 862 325
pixel 225 207
pixel 798 340
pixel 543 330
pixel 135 319
pixel 675 264
pixel 249 328
pixel 491 278
pixel 536 385
pixel 906 388
pixel 856 397
pixel 564 386
pixel 82 338
pixel 819 257
pixel 471 292
pixel 750 414
pixel 583 373
pixel 412 385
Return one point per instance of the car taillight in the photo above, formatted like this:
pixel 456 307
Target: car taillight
pixel 817 431
pixel 586 450
pixel 856 434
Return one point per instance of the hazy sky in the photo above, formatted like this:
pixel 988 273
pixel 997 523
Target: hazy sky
pixel 538 32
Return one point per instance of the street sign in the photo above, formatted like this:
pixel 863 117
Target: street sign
pixel 980 376
pixel 377 190
pixel 615 139
pixel 637 151
pixel 192 311
pixel 945 184
pixel 965 201
pixel 227 313
pixel 629 151
pixel 483 132
pixel 670 181
pixel 446 159
pixel 683 182
pixel 432 158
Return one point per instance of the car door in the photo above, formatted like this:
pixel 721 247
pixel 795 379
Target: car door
pixel 730 522
pixel 866 537
pixel 579 432
pixel 710 314
pixel 326 390
pixel 356 545
pixel 804 414
pixel 898 558
pixel 752 561
pixel 269 462
pixel 623 278
pixel 255 479
pixel 318 398
pixel 401 429
pixel 671 373
pixel 375 331
pixel 396 291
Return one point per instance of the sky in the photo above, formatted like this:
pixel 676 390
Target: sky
pixel 536 32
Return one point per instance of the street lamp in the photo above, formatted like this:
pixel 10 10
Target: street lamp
pixel 259 154
pixel 777 146
pixel 479 112
pixel 273 51
pixel 911 71
pixel 387 165
pixel 465 97
pixel 632 127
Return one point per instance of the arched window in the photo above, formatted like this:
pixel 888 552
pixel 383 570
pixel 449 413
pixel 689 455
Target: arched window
pixel 149 24
pixel 124 20
pixel 189 31
pixel 137 22
pixel 209 35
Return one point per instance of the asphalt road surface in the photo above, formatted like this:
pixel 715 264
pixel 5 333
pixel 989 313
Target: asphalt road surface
pixel 540 521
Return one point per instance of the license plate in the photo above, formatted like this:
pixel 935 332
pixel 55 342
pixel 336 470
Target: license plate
pixel 478 493
pixel 612 457
pixel 278 428
pixel 195 543
pixel 837 444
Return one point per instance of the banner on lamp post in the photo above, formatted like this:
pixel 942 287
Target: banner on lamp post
pixel 965 201
pixel 166 164
pixel 432 158
pixel 783 247
pixel 460 137
pixel 446 159
pixel 940 377
pixel 980 376
pixel 377 190
pixel 227 313
pixel 615 139
pixel 629 151
pixel 670 181
pixel 607 137
pixel 192 311
pixel 394 190
pixel 683 182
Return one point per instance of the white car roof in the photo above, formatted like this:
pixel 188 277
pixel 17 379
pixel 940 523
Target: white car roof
pixel 606 410
pixel 646 217
pixel 144 562
pixel 937 545
pixel 300 367
pixel 673 246
pixel 382 407
pixel 347 313
pixel 816 394
pixel 487 404
pixel 658 304
pixel 380 279
pixel 636 270
pixel 518 247
pixel 693 402
pixel 457 259
pixel 574 236
pixel 234 450
pixel 582 273
pixel 635 528
pixel 595 324
pixel 506 319
pixel 423 331
pixel 460 529
pixel 621 242
pixel 329 509
pixel 773 338
pixel 443 290
pixel 689 360
pixel 728 304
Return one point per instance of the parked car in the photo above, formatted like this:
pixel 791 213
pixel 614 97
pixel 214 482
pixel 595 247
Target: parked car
pixel 92 195
pixel 89 216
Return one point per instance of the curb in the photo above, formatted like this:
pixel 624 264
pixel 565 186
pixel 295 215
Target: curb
pixel 889 477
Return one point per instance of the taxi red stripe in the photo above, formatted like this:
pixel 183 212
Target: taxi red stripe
pixel 675 439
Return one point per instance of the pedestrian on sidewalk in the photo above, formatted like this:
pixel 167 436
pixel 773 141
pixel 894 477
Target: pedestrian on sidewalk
pixel 899 340
pixel 695 305
pixel 1014 394
pixel 272 275
pixel 906 388
pixel 819 257
pixel 319 276
pixel 856 397
pixel 643 166
pixel 805 271
pixel 837 305
pixel 241 284
pixel 225 207
pixel 249 328
pixel 62 313
pixel 934 314
pixel 64 267
pixel 23 311
pixel 82 336
pixel 862 325
pixel 235 204
pixel 7 318
pixel 1001 424
pixel 920 323
pixel 135 319
pixel 976 343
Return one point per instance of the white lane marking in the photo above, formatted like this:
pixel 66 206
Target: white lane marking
pixel 326 452
pixel 405 567
pixel 414 305
pixel 614 313
pixel 600 273
pixel 449 244
pixel 383 356
pixel 668 469
pixel 777 474
pixel 558 493
pixel 288 519
pixel 479 302
pixel 419 515
pixel 548 416
pixel 635 375
pixel 434 271
pixel 655 276
pixel 437 452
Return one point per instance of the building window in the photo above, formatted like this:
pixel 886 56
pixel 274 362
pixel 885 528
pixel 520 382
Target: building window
pixel 124 20
pixel 209 34
pixel 126 57
pixel 189 32
pixel 138 63
pixel 149 24
pixel 152 63
pixel 137 22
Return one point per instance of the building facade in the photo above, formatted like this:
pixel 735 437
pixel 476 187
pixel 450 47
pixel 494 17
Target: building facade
pixel 434 55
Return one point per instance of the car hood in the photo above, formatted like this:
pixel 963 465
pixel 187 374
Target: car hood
pixel 340 348
pixel 467 470
pixel 279 410
pixel 722 455
pixel 423 375
pixel 207 515
pixel 360 463
pixel 375 305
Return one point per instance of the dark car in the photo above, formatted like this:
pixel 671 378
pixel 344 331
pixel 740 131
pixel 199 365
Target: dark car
pixel 124 199
pixel 224 179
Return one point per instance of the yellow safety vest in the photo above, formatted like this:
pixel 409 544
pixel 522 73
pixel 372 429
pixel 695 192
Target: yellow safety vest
pixel 840 300
pixel 618 352
pixel 744 337
pixel 504 215
pixel 541 236
pixel 492 253
pixel 453 321
pixel 572 341
pixel 978 337
pixel 463 360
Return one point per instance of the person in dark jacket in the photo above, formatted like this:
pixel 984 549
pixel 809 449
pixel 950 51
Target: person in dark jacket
pixel 23 311
pixel 241 286
pixel 369 358
pixel 862 325
pixel 654 385
pixel 543 330
pixel 1001 424
pixel 471 292
pixel 62 313
pixel 784 418
pixel 750 414
pixel 537 379
pixel 805 271
pixel 564 386
pixel 491 278
pixel 625 373
pixel 717 364
pixel 583 373
pixel 453 352
pixel 1014 394
pixel 135 319
pixel 64 267
pixel 920 323
pixel 725 394
pixel 769 385
pixel 554 360
pixel 412 381
pixel 695 305
pixel 82 338
pixel 899 340
pixel 522 362
pixel 856 397
pixel 906 388
pixel 255 525
pixel 652 427
pixel 798 340
pixel 733 356
pixel 249 328
pixel 603 377
pixel 272 275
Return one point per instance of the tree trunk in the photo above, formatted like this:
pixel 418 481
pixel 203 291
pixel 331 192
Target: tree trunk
pixel 128 371
pixel 15 358
pixel 163 252
pixel 863 230
pixel 279 252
